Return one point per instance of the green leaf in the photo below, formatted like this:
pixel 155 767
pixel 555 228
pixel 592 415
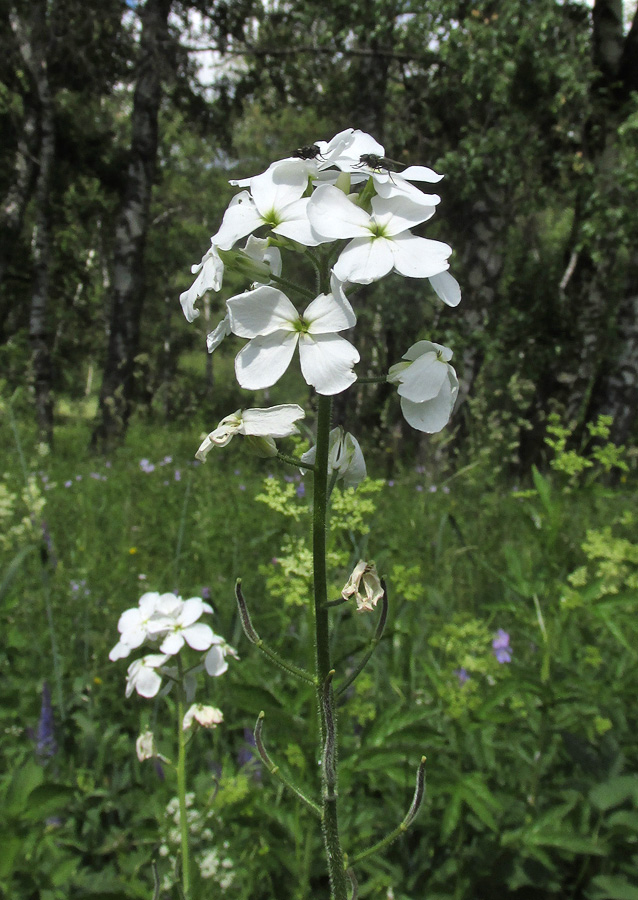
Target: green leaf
pixel 451 816
pixel 47 799
pixel 612 887
pixel 565 841
pixel 615 791
pixel 24 781
pixel 544 490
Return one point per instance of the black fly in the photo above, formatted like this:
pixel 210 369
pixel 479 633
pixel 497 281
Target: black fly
pixel 379 163
pixel 310 152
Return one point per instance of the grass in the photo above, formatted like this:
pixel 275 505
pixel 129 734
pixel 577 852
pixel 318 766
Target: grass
pixel 516 753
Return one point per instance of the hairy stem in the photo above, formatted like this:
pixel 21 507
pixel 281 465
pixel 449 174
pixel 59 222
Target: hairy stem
pixel 332 842
pixel 181 789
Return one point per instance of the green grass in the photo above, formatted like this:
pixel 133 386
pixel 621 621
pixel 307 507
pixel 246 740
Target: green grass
pixel 526 760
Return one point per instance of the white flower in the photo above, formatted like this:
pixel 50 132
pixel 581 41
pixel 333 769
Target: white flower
pixel 381 241
pixel 344 457
pixel 364 585
pixel 215 660
pixel 427 386
pixel 142 676
pixel 145 746
pixel 181 626
pixel 275 199
pixel 268 318
pixel 133 624
pixel 211 273
pixel 275 422
pixel 206 716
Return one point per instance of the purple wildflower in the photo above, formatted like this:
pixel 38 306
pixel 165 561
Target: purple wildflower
pixel 462 674
pixel 46 745
pixel 206 593
pixel 178 475
pixel 242 487
pixel 419 487
pixel 146 465
pixel 289 478
pixel 67 484
pixel 301 490
pixel 390 483
pixel 501 646
pixel 445 489
pixel 246 756
pixel 433 489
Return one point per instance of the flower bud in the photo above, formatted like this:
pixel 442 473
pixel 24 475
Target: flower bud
pixel 206 716
pixel 253 269
pixel 145 746
pixel 264 447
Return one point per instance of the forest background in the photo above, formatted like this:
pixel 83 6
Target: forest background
pixel 121 126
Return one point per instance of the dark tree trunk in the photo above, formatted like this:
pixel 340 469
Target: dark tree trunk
pixel 32 41
pixel 128 281
pixel 604 331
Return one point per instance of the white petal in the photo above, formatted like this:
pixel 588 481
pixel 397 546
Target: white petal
pixel 262 311
pixel 258 249
pixel 172 643
pixel 199 636
pixel 423 379
pixel 447 288
pixel 433 415
pixel 422 347
pixel 275 422
pixel 282 184
pixel 191 611
pixel 326 314
pixel 421 173
pixel 215 661
pixel 296 224
pixel 217 335
pixel 240 219
pixel 365 260
pixel 333 216
pixel 397 186
pixel 399 213
pixel 148 682
pixel 418 257
pixel 264 360
pixel 120 651
pixel 211 273
pixel 327 361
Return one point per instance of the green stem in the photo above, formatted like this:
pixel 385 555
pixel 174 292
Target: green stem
pixel 181 789
pixel 293 287
pixel 332 841
pixel 295 461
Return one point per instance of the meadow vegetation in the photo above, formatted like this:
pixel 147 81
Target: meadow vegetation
pixel 531 785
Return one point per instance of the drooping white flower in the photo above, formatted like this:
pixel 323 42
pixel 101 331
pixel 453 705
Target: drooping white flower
pixel 447 288
pixel 274 422
pixel 142 675
pixel 181 626
pixel 206 716
pixel 364 585
pixel 427 386
pixel 267 317
pixel 215 661
pixel 145 746
pixel 382 241
pixel 344 457
pixel 210 274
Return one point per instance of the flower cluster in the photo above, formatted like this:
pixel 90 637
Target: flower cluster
pixel 172 623
pixel 345 194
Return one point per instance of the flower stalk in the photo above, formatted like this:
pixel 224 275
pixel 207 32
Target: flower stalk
pixel 181 789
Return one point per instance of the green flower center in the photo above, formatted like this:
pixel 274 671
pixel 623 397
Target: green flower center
pixel 301 326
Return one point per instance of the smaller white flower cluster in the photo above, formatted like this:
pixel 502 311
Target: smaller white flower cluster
pixel 172 622
pixel 213 862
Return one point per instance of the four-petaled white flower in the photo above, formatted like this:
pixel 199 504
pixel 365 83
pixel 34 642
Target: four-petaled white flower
pixel 344 457
pixel 382 241
pixel 181 626
pixel 364 585
pixel 275 422
pixel 428 386
pixel 206 716
pixel 133 624
pixel 269 319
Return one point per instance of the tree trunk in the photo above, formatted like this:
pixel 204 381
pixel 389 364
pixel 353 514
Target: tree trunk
pixel 128 282
pixel 32 42
pixel 605 331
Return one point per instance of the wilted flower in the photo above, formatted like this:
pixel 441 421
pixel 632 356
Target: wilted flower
pixel 206 716
pixel 427 386
pixel 501 646
pixel 275 422
pixel 364 585
pixel 344 457
pixel 145 746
